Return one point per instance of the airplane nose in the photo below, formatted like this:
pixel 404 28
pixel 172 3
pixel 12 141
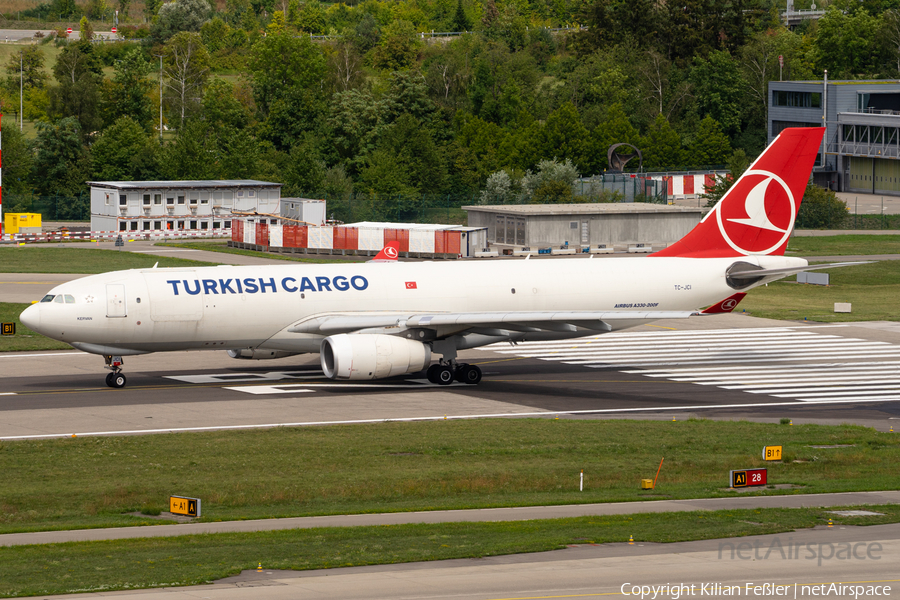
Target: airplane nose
pixel 31 317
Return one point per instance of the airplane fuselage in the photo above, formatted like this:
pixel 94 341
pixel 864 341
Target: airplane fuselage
pixel 225 307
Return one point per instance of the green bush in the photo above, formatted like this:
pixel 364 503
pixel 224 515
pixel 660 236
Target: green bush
pixel 821 209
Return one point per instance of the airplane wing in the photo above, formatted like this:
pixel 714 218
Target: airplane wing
pixel 513 321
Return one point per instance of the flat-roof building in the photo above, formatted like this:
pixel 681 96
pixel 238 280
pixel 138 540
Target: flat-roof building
pixel 178 205
pixel 610 224
pixel 861 150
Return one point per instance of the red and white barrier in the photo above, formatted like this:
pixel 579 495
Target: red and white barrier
pixel 94 236
pixel 688 185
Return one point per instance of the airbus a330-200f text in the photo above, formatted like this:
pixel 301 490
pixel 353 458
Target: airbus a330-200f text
pixel 369 321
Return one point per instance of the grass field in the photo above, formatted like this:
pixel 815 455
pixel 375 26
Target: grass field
pixel 835 245
pixel 192 560
pixel 48 259
pixel 94 481
pixel 871 289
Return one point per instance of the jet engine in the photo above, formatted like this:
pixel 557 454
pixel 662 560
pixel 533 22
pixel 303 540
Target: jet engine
pixel 372 356
pixel 259 353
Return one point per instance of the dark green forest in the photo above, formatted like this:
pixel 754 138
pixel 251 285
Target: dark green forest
pixel 334 100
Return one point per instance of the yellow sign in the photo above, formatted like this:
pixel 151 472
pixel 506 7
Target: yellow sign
pixel 772 453
pixel 189 507
pixel 9 329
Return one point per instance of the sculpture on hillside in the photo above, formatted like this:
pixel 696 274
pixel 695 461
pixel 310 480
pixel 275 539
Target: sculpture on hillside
pixel 617 161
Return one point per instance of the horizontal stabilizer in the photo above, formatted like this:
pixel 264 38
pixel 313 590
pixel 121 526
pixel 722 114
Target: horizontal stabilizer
pixel 758 273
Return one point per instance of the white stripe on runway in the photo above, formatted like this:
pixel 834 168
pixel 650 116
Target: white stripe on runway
pixel 779 362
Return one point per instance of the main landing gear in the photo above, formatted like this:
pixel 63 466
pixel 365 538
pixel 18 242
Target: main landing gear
pixel 444 373
pixel 115 379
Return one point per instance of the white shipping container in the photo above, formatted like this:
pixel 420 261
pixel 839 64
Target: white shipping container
pixel 276 236
pixel 371 238
pixel 321 237
pixel 421 240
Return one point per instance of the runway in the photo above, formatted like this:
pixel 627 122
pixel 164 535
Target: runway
pixel 727 366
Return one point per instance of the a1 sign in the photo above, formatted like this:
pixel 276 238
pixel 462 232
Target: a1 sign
pixel 180 505
pixel 748 478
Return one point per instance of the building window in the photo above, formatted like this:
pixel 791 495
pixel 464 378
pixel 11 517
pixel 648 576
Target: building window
pixel 217 224
pixel 134 226
pixel 181 200
pixel 180 224
pixel 170 201
pixel 123 226
pixel 123 200
pixel 193 224
pixel 204 198
pixel 204 224
pixel 157 199
pixel 779 126
pixel 193 197
pixel 227 224
pixel 146 199
pixel 796 99
pixel 145 226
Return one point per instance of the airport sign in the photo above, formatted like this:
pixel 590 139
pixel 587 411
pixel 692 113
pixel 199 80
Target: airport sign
pixel 748 478
pixel 9 328
pixel 772 452
pixel 189 507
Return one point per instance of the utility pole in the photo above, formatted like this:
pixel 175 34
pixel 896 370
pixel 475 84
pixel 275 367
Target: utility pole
pixel 160 98
pixel 21 77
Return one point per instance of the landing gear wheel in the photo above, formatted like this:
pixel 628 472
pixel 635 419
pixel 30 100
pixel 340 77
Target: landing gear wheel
pixel 431 373
pixel 118 380
pixel 109 379
pixel 444 375
pixel 469 374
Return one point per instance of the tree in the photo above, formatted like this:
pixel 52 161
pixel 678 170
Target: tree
pixel 461 21
pixel 661 147
pixel 78 94
pixel 311 17
pixel 180 15
pixel 821 209
pixel 96 9
pixel 719 89
pixel 129 91
pixel 710 145
pixel 85 30
pixel 61 163
pixel 124 152
pixel 18 158
pixel 221 108
pixel 282 64
pixel 30 59
pixel 562 136
pixel 552 183
pixel 399 47
pixel 124 7
pixel 186 69
pixel 345 67
pixel 846 44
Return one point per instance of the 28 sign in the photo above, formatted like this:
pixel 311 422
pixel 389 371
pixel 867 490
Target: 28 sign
pixel 748 478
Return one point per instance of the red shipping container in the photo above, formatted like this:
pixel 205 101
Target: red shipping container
pixel 237 233
pixel 439 242
pixel 669 185
pixel 301 237
pixel 390 235
pixel 339 238
pixel 403 238
pixel 688 184
pixel 352 239
pixel 709 182
pixel 452 241
pixel 287 235
pixel 262 235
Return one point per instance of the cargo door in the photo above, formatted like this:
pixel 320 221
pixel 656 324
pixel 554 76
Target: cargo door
pixel 115 300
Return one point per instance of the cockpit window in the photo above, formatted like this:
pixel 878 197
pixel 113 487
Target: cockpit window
pixel 70 299
pixel 59 299
pixel 48 298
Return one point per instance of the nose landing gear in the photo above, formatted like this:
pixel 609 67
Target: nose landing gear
pixel 444 373
pixel 115 379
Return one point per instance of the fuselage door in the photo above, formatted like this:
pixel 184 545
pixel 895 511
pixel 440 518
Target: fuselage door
pixel 115 300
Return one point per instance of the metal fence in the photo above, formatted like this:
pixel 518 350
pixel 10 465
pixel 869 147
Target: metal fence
pixel 51 208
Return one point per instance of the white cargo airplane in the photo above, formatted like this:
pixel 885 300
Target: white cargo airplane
pixel 369 321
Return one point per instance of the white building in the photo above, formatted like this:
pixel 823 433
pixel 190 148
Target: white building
pixel 178 205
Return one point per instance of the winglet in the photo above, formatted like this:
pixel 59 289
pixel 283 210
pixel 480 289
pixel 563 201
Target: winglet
pixel 389 253
pixel 725 306
pixel 756 216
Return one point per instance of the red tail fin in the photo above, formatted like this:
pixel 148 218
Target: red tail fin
pixel 389 253
pixel 756 216
pixel 725 306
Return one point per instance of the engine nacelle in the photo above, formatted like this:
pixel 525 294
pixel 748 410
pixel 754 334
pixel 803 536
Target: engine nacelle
pixel 372 356
pixel 259 353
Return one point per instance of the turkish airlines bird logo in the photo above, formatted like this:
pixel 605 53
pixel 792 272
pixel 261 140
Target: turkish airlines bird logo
pixel 757 214
pixel 411 285
pixel 729 304
pixel 391 252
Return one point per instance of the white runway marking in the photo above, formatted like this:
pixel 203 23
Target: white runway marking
pixel 290 388
pixel 820 367
pixel 237 377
